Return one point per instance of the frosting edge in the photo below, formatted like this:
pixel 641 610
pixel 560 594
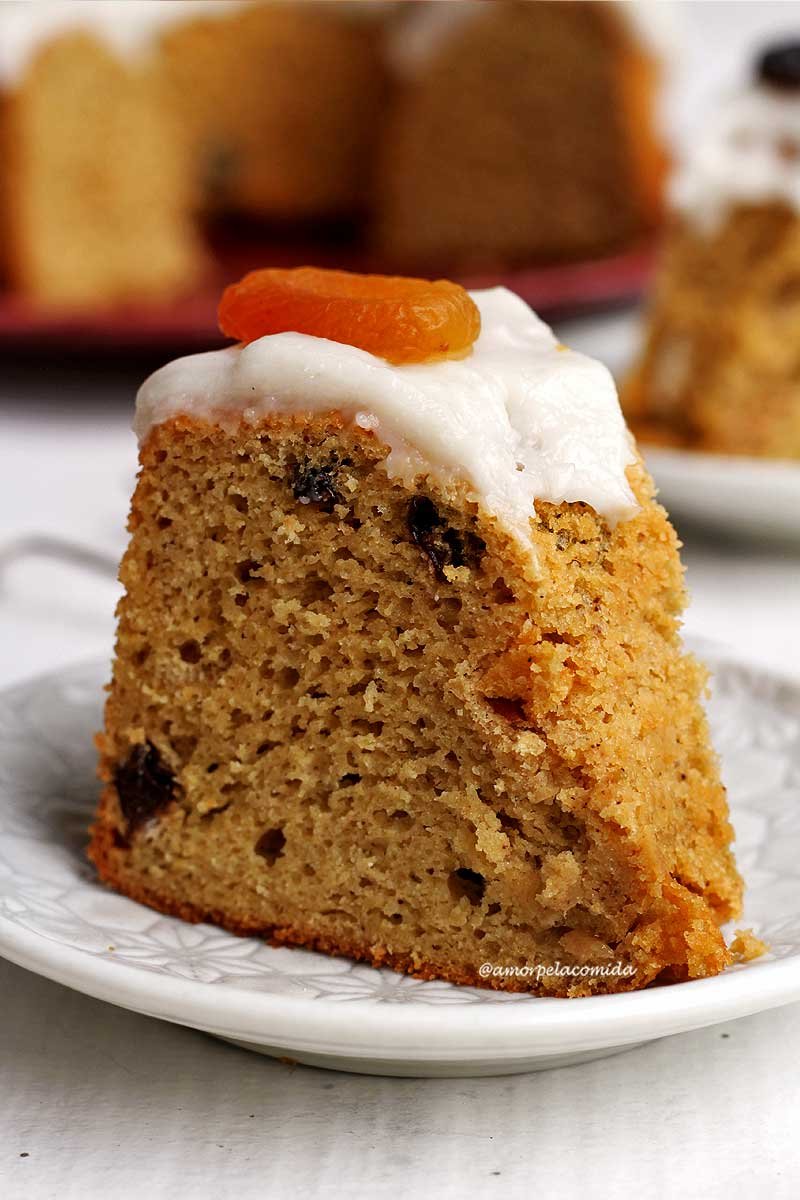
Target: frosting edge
pixel 521 419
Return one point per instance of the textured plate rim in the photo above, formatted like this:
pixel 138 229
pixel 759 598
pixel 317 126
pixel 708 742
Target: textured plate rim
pixel 363 1026
pixel 688 470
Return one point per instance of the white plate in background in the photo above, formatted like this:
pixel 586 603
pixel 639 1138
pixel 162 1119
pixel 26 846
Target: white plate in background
pixel 748 497
pixel 57 920
pixel 729 494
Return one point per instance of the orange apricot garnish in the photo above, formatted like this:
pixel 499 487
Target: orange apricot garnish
pixel 401 320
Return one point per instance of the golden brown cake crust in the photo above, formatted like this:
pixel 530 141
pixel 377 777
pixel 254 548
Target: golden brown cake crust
pixel 337 732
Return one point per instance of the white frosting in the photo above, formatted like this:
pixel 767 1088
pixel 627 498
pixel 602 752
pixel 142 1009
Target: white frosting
pixel 125 26
pixel 748 154
pixel 521 418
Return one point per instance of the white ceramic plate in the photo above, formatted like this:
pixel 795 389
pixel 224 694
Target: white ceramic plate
pixel 55 919
pixel 752 497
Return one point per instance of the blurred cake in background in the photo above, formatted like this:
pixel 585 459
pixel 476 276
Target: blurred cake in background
pixel 280 105
pixel 521 132
pixel 124 124
pixel 94 199
pixel 446 134
pixel 720 369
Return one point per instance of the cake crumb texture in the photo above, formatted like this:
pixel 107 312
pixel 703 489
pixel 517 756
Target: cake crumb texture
pixel 746 946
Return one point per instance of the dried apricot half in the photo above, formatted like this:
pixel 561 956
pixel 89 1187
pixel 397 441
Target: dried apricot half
pixel 401 320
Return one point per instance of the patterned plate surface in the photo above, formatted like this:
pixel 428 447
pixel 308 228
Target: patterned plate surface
pixel 57 920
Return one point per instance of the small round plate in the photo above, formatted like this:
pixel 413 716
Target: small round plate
pixel 57 920
pixel 751 497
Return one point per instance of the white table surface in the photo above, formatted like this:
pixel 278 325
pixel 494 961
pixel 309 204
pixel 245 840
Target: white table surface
pixel 96 1102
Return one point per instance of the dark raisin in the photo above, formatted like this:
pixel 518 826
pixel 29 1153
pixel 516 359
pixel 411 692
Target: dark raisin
pixel 466 882
pixel 247 570
pixel 270 845
pixel 144 784
pixel 444 546
pixel 779 66
pixel 317 485
pixel 190 651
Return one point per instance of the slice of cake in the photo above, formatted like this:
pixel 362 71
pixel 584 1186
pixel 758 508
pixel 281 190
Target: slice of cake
pixel 519 132
pixel 720 368
pixel 398 673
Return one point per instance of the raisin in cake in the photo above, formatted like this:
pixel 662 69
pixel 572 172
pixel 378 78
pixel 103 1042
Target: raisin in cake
pixel 397 673
pixel 720 367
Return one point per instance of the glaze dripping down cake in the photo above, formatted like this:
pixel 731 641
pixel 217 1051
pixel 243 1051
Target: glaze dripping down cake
pixel 397 672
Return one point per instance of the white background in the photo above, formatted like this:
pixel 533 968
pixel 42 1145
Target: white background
pixel 104 1103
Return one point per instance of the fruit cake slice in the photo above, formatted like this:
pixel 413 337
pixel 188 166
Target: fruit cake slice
pixel 397 673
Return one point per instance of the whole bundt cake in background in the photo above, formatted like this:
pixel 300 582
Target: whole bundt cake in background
pixel 463 134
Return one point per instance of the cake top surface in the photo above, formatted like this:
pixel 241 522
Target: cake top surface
pixel 520 418
pixel 749 151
